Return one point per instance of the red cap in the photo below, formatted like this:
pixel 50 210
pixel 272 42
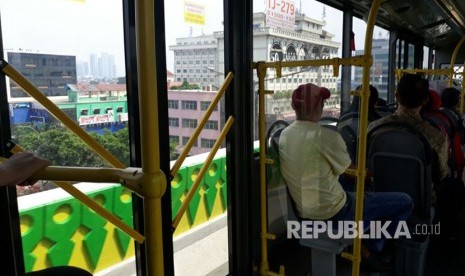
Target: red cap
pixel 309 95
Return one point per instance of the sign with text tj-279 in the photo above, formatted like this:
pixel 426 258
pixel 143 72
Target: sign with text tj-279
pixel 280 14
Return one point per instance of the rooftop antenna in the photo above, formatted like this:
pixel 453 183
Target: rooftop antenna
pixel 323 16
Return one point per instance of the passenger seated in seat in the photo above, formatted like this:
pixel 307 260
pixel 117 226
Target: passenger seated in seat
pixel 450 98
pixel 372 102
pixel 312 158
pixel 412 94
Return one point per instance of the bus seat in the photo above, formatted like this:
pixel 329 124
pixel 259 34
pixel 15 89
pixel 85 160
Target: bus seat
pixel 383 111
pixel 323 249
pixel 348 129
pixel 401 158
pixel 456 160
pixel 455 121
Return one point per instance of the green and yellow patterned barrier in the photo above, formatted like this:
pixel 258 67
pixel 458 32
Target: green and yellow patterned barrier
pixel 63 231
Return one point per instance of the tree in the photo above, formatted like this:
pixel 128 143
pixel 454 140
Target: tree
pixel 64 148
pixel 186 86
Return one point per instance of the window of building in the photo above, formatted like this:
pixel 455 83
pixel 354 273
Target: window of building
pixel 108 109
pixel 186 139
pixel 211 125
pixel 85 112
pixel 174 139
pixel 191 105
pixel 205 104
pixel 207 143
pixel 173 104
pixel 119 109
pixel 173 122
pixel 189 123
pixel 96 111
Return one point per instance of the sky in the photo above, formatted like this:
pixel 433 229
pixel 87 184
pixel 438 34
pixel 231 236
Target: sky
pixel 82 27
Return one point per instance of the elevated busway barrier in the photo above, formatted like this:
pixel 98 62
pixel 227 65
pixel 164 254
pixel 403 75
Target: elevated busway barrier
pixel 364 61
pixel 104 247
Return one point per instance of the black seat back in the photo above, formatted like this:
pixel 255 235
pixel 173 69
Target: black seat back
pixel 276 188
pixel 348 128
pixel 400 158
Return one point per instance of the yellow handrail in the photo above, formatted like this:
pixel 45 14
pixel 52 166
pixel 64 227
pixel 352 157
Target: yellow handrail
pixel 154 180
pixel 203 170
pixel 73 191
pixel 445 71
pixel 195 135
pixel 361 154
pixel 454 57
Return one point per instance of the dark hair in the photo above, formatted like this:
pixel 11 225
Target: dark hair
pixel 412 90
pixel 450 97
pixel 372 101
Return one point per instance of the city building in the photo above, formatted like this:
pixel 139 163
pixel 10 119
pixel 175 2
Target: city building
pixel 200 60
pixel 379 71
pixel 93 106
pixel 103 66
pixel 48 72
pixel 82 69
pixel 196 60
pixel 186 109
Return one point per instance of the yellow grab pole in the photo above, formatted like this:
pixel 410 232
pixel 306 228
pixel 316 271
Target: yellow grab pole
pixel 454 57
pixel 195 135
pixel 462 93
pixel 73 191
pixel 154 180
pixel 59 114
pixel 202 172
pixel 261 72
pixel 361 155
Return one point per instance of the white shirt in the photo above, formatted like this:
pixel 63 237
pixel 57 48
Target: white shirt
pixel 311 159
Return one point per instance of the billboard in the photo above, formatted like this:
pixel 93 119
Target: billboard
pixel 194 13
pixel 280 14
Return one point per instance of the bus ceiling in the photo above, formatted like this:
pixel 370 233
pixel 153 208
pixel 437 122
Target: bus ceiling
pixel 438 22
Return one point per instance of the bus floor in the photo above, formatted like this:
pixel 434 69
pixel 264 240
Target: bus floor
pixel 443 258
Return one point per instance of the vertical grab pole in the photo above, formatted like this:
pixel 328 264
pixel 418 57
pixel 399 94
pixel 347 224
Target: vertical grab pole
pixel 462 93
pixel 361 155
pixel 154 183
pixel 454 57
pixel 452 64
pixel 261 72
